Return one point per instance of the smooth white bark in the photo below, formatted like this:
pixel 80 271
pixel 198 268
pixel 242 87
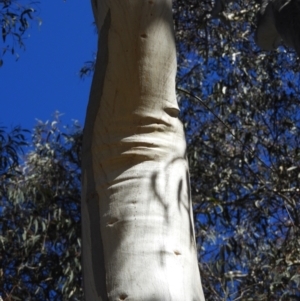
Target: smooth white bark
pixel 138 238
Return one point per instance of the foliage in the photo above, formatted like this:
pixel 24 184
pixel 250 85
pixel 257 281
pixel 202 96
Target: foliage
pixel 10 145
pixel 15 18
pixel 240 107
pixel 40 219
pixel 88 68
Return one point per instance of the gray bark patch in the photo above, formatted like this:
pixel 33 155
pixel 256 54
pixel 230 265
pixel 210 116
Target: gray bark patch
pixel 99 273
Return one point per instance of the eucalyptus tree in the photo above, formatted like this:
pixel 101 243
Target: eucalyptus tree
pixel 138 236
pixel 232 100
pixel 239 105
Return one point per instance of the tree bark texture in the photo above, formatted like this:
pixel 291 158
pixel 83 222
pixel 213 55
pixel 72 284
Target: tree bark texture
pixel 137 222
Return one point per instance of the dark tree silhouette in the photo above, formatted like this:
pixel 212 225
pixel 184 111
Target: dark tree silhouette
pixel 279 20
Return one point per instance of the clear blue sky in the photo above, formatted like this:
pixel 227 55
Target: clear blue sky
pixel 45 78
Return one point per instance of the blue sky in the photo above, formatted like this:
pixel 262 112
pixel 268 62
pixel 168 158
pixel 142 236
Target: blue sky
pixel 45 78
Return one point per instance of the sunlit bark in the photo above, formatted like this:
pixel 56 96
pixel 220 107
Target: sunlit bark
pixel 138 237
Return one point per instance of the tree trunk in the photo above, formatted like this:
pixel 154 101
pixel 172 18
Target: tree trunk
pixel 137 222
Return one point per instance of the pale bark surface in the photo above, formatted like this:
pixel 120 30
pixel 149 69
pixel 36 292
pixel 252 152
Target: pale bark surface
pixel 138 237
